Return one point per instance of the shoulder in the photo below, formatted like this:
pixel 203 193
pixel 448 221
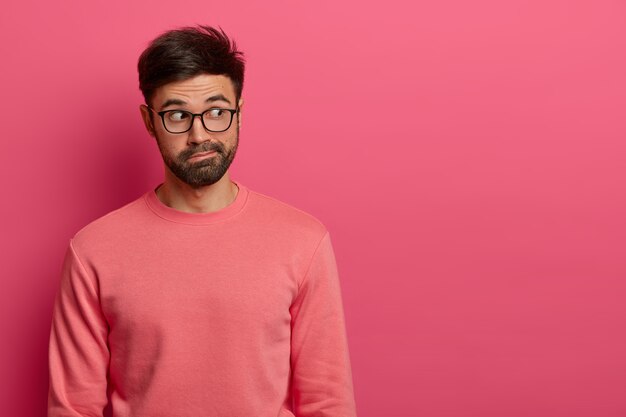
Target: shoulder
pixel 112 224
pixel 281 216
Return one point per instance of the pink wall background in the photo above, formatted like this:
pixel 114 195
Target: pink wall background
pixel 469 159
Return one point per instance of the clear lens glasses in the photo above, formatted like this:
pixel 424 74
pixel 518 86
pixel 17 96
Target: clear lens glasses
pixel 180 121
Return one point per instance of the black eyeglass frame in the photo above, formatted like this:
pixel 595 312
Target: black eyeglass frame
pixel 193 117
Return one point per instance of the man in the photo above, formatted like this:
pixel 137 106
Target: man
pixel 202 297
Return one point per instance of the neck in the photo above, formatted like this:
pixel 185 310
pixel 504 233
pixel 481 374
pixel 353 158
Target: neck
pixel 181 196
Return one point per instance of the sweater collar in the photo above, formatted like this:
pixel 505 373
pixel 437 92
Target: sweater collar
pixel 171 214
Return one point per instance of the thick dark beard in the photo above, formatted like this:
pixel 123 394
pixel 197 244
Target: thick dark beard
pixel 206 171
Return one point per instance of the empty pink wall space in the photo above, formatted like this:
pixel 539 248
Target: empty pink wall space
pixel 467 157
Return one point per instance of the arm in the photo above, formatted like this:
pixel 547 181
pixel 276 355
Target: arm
pixel 78 351
pixel 320 360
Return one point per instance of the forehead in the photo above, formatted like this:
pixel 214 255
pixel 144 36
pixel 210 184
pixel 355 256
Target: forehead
pixel 195 90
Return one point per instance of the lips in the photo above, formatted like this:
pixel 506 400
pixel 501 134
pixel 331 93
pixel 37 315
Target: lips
pixel 202 154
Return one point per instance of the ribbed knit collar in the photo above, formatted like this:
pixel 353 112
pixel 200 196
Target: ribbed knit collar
pixel 171 214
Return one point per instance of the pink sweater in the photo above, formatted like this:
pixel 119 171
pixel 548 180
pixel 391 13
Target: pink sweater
pixel 235 313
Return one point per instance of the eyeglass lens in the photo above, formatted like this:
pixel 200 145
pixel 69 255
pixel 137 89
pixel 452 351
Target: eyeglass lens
pixel 215 120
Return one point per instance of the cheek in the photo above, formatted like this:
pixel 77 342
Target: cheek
pixel 168 146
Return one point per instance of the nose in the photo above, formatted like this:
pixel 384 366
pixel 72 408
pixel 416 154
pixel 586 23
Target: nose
pixel 197 133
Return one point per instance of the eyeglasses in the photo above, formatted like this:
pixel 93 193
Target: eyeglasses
pixel 215 119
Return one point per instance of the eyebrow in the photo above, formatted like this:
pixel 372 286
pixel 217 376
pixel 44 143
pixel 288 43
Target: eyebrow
pixel 179 102
pixel 217 97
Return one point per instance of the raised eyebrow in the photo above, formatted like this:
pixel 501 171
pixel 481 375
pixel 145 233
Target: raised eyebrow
pixel 179 102
pixel 173 101
pixel 218 97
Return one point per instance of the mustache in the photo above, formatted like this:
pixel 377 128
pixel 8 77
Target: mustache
pixel 203 147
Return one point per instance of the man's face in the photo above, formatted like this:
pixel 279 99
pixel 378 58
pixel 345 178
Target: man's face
pixel 197 157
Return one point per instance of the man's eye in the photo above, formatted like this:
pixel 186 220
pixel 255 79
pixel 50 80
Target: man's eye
pixel 215 113
pixel 177 116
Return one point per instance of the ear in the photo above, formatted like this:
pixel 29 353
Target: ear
pixel 145 115
pixel 240 105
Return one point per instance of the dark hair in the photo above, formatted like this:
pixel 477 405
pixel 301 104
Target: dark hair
pixel 183 53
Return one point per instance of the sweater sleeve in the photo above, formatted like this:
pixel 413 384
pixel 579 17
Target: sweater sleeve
pixel 320 361
pixel 78 352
